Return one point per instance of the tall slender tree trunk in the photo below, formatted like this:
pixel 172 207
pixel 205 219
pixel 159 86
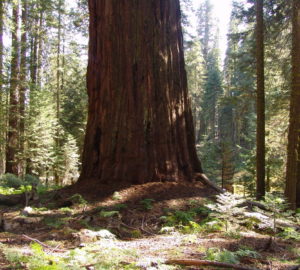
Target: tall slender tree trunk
pixel 23 85
pixel 2 97
pixel 260 102
pixel 12 137
pixel 40 49
pixel 58 91
pixel 140 126
pixel 226 127
pixel 292 189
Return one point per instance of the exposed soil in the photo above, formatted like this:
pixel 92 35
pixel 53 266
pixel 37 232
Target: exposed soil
pixel 136 223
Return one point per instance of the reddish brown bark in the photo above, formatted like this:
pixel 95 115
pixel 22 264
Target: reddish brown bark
pixel 140 126
pixel 292 189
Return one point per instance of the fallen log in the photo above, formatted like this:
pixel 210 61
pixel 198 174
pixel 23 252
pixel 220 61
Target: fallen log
pixel 12 200
pixel 23 198
pixel 191 262
pixel 204 179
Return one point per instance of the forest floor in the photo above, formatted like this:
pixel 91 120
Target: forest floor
pixel 137 227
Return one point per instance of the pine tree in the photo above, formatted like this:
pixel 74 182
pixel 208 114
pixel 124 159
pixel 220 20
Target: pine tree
pixel 2 95
pixel 260 102
pixel 292 189
pixel 12 165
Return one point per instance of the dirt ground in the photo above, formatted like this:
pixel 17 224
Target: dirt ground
pixel 134 216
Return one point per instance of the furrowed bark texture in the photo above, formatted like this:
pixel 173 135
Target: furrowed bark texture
pixel 292 189
pixel 140 126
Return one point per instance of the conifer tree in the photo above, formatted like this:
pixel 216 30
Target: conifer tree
pixel 260 102
pixel 292 189
pixel 12 162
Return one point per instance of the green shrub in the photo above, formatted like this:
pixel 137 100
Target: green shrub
pixel 55 222
pixel 290 233
pixel 226 256
pixel 31 180
pixel 11 181
pixel 107 214
pixel 147 203
pixel 120 206
pixel 78 199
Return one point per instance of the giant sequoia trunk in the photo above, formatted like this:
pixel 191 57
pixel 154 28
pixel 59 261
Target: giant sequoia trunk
pixel 140 126
pixel 292 190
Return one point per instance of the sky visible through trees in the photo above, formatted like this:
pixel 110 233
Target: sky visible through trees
pixel 221 12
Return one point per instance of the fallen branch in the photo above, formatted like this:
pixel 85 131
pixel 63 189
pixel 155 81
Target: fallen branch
pixel 204 179
pixel 209 263
pixel 41 243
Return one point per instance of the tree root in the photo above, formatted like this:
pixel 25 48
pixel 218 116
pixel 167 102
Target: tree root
pixel 209 263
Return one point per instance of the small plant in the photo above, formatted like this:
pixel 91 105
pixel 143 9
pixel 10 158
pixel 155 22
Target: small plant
pixel 107 214
pixel 212 225
pixel 178 218
pixel 290 233
pixel 192 227
pixel 55 222
pixel 120 206
pixel 66 210
pixel 276 208
pixel 233 234
pixel 226 256
pixel 78 199
pixel 147 203
pixel 227 209
pixel 136 233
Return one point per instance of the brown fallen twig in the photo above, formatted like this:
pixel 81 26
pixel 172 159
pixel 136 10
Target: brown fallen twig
pixel 208 263
pixel 42 244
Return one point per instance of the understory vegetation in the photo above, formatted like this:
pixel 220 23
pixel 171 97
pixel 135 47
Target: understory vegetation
pixel 123 234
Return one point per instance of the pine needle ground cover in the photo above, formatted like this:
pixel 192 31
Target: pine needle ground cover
pixel 140 227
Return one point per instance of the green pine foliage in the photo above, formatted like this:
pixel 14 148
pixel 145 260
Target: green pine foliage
pixel 228 210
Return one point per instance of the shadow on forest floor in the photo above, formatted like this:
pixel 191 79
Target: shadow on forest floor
pixel 130 219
